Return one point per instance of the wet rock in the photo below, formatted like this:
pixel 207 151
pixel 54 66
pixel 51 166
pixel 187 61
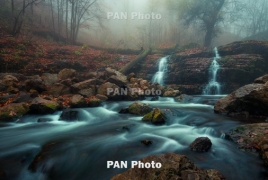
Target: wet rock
pixel 201 144
pixel 139 108
pixel 171 93
pixel 103 90
pixel 69 115
pixel 247 136
pixel 66 73
pixel 23 98
pixel 10 80
pixel 261 80
pixel 252 98
pixel 78 101
pixel 42 120
pixel 146 142
pixel 13 111
pixel 263 145
pixel 124 111
pixel 121 82
pixel 67 82
pixel 12 90
pixel 5 98
pixel 87 92
pixel 36 84
pixel 102 97
pixel 184 98
pixel 42 106
pixel 58 89
pixel 174 166
pixel 156 117
pixel 156 98
pixel 91 83
pixel 94 102
pixel 49 79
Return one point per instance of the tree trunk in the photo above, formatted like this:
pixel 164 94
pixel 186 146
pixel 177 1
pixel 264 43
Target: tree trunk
pixel 125 70
pixel 209 36
pixel 66 21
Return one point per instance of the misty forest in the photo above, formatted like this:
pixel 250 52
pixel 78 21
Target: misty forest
pixel 133 89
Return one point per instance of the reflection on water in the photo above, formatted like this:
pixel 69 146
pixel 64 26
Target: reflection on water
pixel 99 136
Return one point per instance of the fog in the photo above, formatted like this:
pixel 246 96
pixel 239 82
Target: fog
pixel 111 24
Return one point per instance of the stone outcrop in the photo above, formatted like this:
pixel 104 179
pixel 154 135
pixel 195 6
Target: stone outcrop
pixel 189 68
pixel 249 100
pixel 174 166
pixel 251 137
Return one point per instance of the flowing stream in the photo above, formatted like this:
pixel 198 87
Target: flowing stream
pixel 86 145
pixel 213 87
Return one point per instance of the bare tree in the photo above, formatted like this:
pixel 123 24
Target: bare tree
pixel 204 13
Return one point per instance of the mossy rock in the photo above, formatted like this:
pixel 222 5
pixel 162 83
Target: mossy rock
pixel 139 108
pixel 13 111
pixel 156 117
pixel 43 106
pixel 94 102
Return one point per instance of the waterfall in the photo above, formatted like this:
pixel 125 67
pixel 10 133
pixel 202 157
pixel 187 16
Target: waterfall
pixel 162 69
pixel 213 87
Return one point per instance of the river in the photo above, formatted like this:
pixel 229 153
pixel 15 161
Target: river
pixel 85 146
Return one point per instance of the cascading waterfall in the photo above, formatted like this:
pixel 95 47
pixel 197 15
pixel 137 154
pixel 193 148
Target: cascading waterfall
pixel 213 87
pixel 162 69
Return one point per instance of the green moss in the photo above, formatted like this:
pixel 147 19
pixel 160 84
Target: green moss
pixel 52 106
pixel 94 102
pixel 148 117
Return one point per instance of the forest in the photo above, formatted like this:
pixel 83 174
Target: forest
pixel 133 89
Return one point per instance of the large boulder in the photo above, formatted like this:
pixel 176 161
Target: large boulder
pixel 115 77
pixel 43 106
pixel 94 102
pixel 66 73
pixel 262 80
pixel 139 108
pixel 10 80
pixel 35 84
pixel 171 93
pixel 87 92
pixel 13 111
pixel 121 82
pixel 91 83
pixel 201 144
pixel 249 100
pixel 59 89
pixel 174 166
pixel 69 115
pixel 78 101
pixel 156 117
pixel 49 79
pixel 104 90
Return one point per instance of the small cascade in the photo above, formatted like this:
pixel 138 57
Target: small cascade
pixel 213 87
pixel 162 69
